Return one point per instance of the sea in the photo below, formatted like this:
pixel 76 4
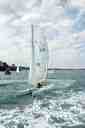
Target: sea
pixel 59 105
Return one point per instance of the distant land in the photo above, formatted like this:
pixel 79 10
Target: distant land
pixel 4 66
pixel 66 68
pixel 13 67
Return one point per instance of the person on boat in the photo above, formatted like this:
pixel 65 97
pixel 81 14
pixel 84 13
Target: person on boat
pixel 8 72
pixel 39 85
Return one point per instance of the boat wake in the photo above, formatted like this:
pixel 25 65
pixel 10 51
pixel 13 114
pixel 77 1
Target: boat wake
pixel 16 89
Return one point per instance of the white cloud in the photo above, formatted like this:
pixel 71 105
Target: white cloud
pixel 64 45
pixel 78 3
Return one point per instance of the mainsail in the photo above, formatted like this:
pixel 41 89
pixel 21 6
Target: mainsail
pixel 39 65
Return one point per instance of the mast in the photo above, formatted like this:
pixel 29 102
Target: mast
pixel 31 76
pixel 33 54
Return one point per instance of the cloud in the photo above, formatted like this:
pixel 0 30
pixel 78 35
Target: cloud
pixel 60 25
pixel 78 3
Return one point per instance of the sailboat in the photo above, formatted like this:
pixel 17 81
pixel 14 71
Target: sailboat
pixel 38 68
pixel 17 69
pixel 39 65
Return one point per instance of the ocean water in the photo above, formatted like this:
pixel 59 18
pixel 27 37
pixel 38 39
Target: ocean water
pixel 61 105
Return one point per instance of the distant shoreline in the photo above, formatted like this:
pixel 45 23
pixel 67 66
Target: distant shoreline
pixel 66 68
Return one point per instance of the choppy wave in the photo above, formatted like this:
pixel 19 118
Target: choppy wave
pixel 60 106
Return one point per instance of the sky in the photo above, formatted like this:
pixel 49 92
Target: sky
pixel 63 25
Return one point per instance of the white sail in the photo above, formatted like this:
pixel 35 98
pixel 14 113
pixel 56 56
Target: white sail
pixel 17 69
pixel 39 66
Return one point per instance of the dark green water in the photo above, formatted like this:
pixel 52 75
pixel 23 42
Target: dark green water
pixel 62 106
